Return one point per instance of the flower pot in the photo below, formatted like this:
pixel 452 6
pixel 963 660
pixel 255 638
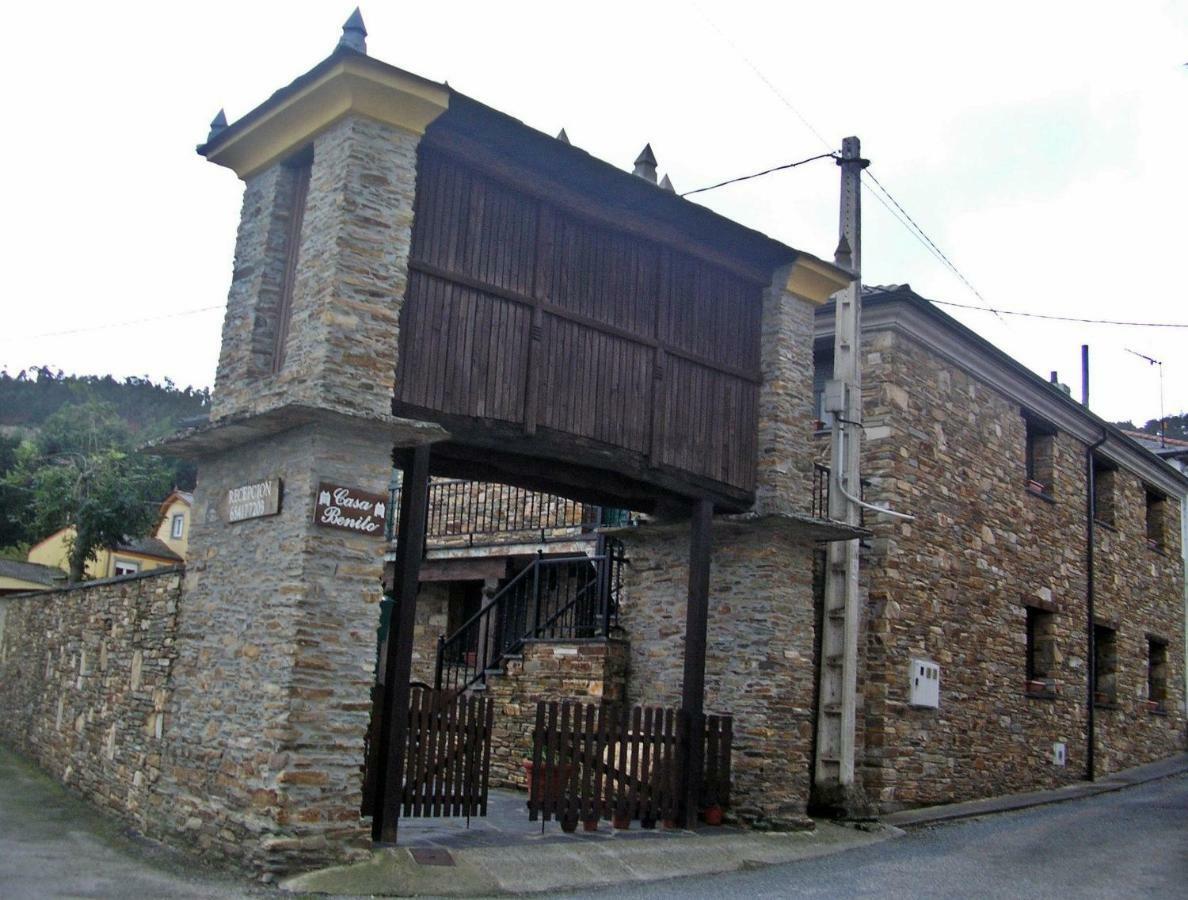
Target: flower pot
pixel 1036 487
pixel 590 825
pixel 1035 686
pixel 621 821
pixel 712 814
pixel 569 824
pixel 670 823
pixel 547 781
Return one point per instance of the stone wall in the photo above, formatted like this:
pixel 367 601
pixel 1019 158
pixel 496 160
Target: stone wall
pixel 86 675
pixel 953 586
pixel 759 655
pixel 586 671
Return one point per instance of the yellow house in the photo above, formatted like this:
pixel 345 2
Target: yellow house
pixel 131 556
pixel 17 576
pixel 173 523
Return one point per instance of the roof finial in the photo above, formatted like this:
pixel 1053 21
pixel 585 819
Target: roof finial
pixel 354 33
pixel 645 164
pixel 562 136
pixel 666 185
pixel 217 126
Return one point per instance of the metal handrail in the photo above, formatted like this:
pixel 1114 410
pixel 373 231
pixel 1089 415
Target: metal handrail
pixel 519 612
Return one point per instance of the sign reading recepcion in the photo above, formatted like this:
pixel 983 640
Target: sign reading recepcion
pixel 252 501
pixel 350 509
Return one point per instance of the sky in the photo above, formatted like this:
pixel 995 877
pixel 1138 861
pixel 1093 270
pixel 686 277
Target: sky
pixel 1037 144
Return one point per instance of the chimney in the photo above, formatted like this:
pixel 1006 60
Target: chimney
pixel 645 164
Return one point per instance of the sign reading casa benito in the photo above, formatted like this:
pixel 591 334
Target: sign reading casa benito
pixel 350 509
pixel 252 501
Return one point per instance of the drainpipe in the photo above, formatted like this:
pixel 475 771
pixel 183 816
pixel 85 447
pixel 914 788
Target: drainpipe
pixel 1090 655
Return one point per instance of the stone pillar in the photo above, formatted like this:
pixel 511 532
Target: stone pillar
pixel 277 625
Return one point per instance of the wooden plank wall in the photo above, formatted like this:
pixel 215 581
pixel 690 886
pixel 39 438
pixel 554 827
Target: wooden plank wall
pixel 520 311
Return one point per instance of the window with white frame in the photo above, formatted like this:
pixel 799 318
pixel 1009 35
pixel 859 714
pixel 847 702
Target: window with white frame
pixel 178 526
pixel 126 567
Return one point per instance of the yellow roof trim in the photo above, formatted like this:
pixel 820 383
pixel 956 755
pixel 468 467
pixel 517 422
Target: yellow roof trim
pixel 816 280
pixel 353 85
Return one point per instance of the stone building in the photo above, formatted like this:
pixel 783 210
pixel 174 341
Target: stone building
pixel 990 581
pixel 247 741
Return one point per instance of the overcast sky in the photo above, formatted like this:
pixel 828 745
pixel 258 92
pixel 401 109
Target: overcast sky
pixel 1040 145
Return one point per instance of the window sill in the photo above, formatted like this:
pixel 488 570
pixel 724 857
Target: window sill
pixel 1041 695
pixel 1109 526
pixel 1157 548
pixel 1158 712
pixel 1043 495
pixel 1099 704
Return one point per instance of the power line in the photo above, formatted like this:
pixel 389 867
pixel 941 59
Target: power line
pixel 176 315
pixel 759 73
pixel 831 155
pixel 1013 312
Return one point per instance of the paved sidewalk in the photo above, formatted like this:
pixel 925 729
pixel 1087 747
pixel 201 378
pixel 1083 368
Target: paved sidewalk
pixel 932 815
pixel 559 862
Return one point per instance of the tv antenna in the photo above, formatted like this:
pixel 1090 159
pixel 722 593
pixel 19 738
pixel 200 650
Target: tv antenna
pixel 1162 419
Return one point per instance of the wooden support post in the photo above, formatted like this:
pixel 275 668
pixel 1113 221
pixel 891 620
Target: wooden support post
pixel 410 548
pixel 693 688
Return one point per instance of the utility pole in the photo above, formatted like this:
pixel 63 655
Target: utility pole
pixel 834 787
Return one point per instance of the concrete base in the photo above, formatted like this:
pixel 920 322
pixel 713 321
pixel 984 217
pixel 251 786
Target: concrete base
pixel 845 802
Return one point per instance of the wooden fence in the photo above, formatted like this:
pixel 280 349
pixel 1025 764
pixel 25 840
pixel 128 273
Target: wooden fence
pixel 610 761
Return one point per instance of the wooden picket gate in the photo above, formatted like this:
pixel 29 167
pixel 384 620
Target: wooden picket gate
pixel 611 761
pixel 447 758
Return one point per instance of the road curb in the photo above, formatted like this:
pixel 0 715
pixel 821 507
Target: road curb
pixel 935 815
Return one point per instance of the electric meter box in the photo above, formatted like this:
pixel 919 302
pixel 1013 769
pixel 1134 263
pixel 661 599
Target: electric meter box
pixel 924 684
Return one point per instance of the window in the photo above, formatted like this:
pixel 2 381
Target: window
pixel 1156 519
pixel 126 567
pixel 1104 473
pixel 1041 651
pixel 178 526
pixel 1041 448
pixel 299 172
pixel 1156 674
pixel 1105 665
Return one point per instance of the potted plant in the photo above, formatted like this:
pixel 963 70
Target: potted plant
pixel 712 814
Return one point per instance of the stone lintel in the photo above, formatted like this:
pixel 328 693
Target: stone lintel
pixel 346 82
pixel 816 280
pixel 798 526
pixel 234 431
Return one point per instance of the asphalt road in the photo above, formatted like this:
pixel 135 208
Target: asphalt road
pixel 54 845
pixel 1131 843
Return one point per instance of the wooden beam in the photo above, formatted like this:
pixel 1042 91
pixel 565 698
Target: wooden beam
pixel 397 652
pixel 696 626
pixel 568 464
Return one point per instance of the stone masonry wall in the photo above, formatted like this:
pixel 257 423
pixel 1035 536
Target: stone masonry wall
pixel 351 275
pixel 759 656
pixel 85 677
pixel 586 671
pixel 953 586
pixel 276 660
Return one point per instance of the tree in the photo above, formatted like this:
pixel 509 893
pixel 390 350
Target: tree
pixel 81 473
